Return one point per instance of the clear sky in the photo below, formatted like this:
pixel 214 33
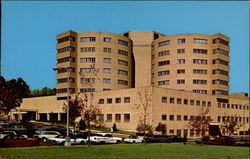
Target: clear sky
pixel 29 31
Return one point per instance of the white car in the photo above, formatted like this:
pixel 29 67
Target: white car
pixel 44 135
pixel 105 138
pixel 61 140
pixel 134 139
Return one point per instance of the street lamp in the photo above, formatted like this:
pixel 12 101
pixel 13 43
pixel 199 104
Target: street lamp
pixel 67 139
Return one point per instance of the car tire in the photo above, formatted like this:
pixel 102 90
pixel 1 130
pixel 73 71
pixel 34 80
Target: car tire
pixel 118 141
pixel 82 143
pixel 63 143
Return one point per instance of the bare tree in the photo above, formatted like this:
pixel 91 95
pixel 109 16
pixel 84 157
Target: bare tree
pixel 200 123
pixel 231 126
pixel 91 112
pixel 144 108
pixel 161 128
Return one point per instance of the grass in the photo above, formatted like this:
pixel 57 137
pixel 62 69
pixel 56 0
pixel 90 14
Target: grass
pixel 127 151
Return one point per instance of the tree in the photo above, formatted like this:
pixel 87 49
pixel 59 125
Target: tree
pixel 200 123
pixel 42 92
pixel 144 112
pixel 161 128
pixel 231 126
pixel 75 108
pixel 91 112
pixel 11 94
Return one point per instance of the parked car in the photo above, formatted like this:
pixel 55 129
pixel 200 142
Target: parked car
pixel 61 140
pixel 101 138
pixel 6 133
pixel 18 140
pixel 243 142
pixel 164 139
pixel 134 139
pixel 44 135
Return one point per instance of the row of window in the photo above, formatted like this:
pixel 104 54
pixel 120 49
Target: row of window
pixel 68 48
pixel 185 101
pixel 109 118
pixel 105 39
pixel 66 59
pixel 67 38
pixel 195 40
pixel 65 90
pixel 164 117
pixel 63 70
pixel 117 100
pixel 64 80
pixel 195 81
pixel 105 60
pixel 233 106
pixel 232 118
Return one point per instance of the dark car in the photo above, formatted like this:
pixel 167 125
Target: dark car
pixel 17 140
pixel 175 138
pixel 156 139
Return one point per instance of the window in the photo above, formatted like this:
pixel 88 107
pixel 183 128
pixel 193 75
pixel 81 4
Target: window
pixel 171 131
pixel 106 89
pixel 122 52
pixel 122 62
pixel 64 80
pixel 166 82
pixel 126 117
pixel 109 100
pixel 218 71
pixel 87 59
pixel 185 132
pixel 107 40
pixel 171 100
pixel 198 81
pixel 163 53
pixel 198 103
pixel 222 92
pixel 118 100
pixel 220 61
pixel 118 117
pixel 203 103
pixel 199 71
pixel 219 105
pixel 191 117
pixel 200 91
pixel 82 90
pixel 68 48
pixel 181 41
pixel 180 51
pixel 164 99
pixel 178 117
pixel 191 132
pixel 162 63
pixel 163 73
pixel 107 50
pixel 171 117
pixel 87 80
pixel 209 104
pixel 87 69
pixel 88 49
pixel 164 117
pixel 220 51
pixel 185 102
pixel 178 132
pixel 109 117
pixel 106 80
pixel 180 61
pixel 122 72
pixel 199 51
pixel 106 70
pixel 185 117
pixel 200 41
pixel 222 82
pixel 163 43
pixel 67 38
pixel 221 41
pixel 101 101
pixel 66 59
pixel 122 42
pixel 86 39
pixel 181 81
pixel 122 82
pixel 219 118
pixel 180 71
pixel 178 101
pixel 199 61
pixel 126 99
pixel 191 102
pixel 107 60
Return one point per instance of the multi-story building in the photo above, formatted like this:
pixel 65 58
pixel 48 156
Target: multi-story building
pixel 183 74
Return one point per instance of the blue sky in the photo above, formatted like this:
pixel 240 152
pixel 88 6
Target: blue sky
pixel 29 31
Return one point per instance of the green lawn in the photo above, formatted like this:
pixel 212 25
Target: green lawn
pixel 127 151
